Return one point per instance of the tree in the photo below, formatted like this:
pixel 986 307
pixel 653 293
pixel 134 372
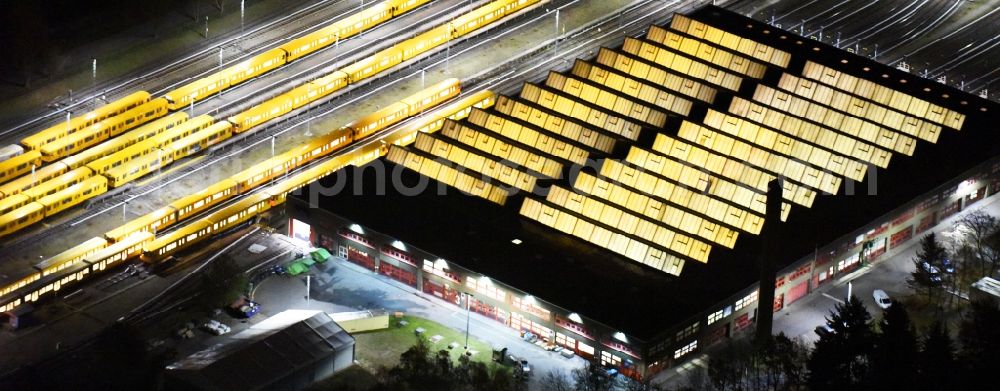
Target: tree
pixel 555 381
pixel 980 339
pixel 727 366
pixel 981 242
pixel 841 360
pixel 776 363
pixel 786 357
pixel 418 370
pixel 894 361
pixel 928 263
pixel 936 365
pixel 223 282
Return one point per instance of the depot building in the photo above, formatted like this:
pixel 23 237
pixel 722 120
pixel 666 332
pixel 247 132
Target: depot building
pixel 615 208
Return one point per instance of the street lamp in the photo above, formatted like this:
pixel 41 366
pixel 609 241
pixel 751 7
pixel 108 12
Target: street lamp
pixel 468 310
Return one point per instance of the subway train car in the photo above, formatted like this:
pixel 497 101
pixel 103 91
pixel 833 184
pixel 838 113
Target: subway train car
pixel 106 129
pixel 65 128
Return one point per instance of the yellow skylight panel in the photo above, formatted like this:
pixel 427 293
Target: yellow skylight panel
pixel 706 52
pixel 832 119
pixel 499 148
pixel 884 95
pixel 655 75
pixel 657 211
pixel 638 88
pixel 860 107
pixel 487 166
pixel 736 170
pixel 686 176
pixel 601 236
pixel 565 106
pixel 731 41
pixel 780 143
pixel 447 175
pixel 528 136
pixel 586 92
pixel 681 63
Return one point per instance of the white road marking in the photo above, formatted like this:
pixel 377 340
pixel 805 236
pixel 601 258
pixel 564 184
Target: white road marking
pixel 833 298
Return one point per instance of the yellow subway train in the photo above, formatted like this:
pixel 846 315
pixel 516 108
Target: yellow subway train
pixel 136 236
pixel 25 288
pixel 101 124
pixel 108 128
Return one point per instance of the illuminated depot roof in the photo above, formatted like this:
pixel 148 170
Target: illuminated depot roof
pixel 680 132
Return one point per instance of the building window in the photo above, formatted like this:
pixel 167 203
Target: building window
pixel 530 308
pixel 565 341
pixel 584 348
pixel 689 331
pixel 686 349
pixel 714 316
pixel 746 301
pixel 486 289
pixel 609 359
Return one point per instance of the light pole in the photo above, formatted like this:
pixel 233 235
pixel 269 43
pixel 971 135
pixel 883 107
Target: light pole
pixel 557 22
pixel 124 217
pixel 272 145
pixel 468 310
pixel 68 114
pixel 93 70
pixel 206 26
pixel 241 20
pixel 308 283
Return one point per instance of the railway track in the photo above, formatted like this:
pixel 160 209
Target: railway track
pixel 268 31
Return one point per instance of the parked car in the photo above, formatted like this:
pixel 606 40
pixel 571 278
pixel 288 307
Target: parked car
pixel 935 273
pixel 948 266
pixel 525 368
pixel 882 298
pixel 824 330
pixel 215 327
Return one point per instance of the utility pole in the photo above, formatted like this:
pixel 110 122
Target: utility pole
pixel 206 26
pixel 93 70
pixel 468 306
pixel 308 283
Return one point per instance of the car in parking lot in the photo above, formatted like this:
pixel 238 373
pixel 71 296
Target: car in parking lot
pixel 948 266
pixel 929 268
pixel 935 273
pixel 215 327
pixel 824 330
pixel 882 298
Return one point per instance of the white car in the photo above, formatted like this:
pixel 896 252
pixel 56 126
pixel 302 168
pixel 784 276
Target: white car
pixel 882 299
pixel 215 327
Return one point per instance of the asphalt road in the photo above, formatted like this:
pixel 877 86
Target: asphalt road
pixel 888 274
